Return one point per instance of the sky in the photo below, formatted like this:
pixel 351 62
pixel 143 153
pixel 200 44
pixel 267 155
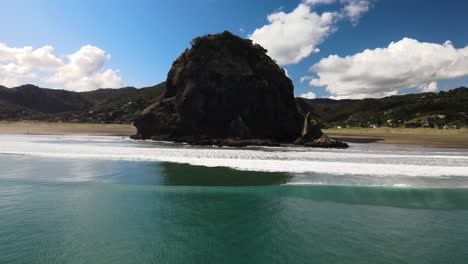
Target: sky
pixel 330 48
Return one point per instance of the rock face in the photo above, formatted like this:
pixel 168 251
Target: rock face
pixel 312 136
pixel 223 87
pixel 310 130
pixel 226 91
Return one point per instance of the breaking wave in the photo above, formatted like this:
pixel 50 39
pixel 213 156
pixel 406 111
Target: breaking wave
pixel 379 161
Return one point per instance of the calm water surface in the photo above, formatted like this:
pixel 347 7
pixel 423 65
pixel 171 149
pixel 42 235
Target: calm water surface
pixel 109 200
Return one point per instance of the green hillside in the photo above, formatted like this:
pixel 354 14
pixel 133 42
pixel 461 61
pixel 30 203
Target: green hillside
pixel 29 102
pixel 119 106
pixel 411 110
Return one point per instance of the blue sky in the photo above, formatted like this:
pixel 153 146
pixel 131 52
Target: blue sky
pixel 138 40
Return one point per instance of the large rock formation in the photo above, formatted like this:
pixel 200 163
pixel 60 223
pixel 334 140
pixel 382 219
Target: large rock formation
pixel 224 90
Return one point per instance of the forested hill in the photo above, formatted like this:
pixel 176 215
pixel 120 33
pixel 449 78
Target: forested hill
pixel 441 109
pixel 29 102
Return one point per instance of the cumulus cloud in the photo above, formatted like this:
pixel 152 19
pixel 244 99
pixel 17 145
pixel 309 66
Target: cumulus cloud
pixel 80 71
pixel 12 70
pixel 8 53
pixel 309 95
pixel 9 82
pixel 352 9
pixel 407 63
pixel 21 62
pixel 429 87
pixel 41 58
pixel 291 37
pixel 355 9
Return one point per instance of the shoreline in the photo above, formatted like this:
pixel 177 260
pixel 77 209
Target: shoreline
pixel 403 136
pixel 397 136
pixel 46 128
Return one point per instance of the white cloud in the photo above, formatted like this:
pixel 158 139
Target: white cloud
pixel 291 37
pixel 106 79
pixel 362 96
pixel 306 78
pixel 317 2
pixel 429 87
pixel 8 53
pixel 309 95
pixel 352 9
pixel 407 63
pixel 355 9
pixel 9 82
pixel 41 58
pixel 83 70
pixel 21 62
pixel 14 70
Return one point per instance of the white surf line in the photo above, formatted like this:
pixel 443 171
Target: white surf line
pixel 247 159
pixel 291 166
pixel 8 147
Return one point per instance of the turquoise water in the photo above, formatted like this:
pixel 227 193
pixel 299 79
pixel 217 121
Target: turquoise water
pixel 97 210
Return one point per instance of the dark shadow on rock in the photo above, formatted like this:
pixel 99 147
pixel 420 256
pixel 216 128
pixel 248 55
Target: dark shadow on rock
pixel 312 136
pixel 223 87
pixel 226 91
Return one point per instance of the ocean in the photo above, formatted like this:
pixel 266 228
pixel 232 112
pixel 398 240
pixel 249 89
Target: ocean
pixel 85 199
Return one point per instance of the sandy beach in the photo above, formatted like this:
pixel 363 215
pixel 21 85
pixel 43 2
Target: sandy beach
pixel 405 136
pixel 429 137
pixel 32 127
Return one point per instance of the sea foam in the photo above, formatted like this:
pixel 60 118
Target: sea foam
pixel 354 161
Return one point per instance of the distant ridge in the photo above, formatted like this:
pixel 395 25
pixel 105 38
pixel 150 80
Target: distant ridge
pixel 410 110
pixel 30 102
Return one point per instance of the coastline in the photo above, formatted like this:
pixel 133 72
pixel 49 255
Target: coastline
pixel 402 136
pixel 398 136
pixel 46 128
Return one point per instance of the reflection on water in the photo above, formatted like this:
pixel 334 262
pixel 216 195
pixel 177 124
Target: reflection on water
pixel 128 172
pixel 380 191
pixel 69 199
pixel 187 175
